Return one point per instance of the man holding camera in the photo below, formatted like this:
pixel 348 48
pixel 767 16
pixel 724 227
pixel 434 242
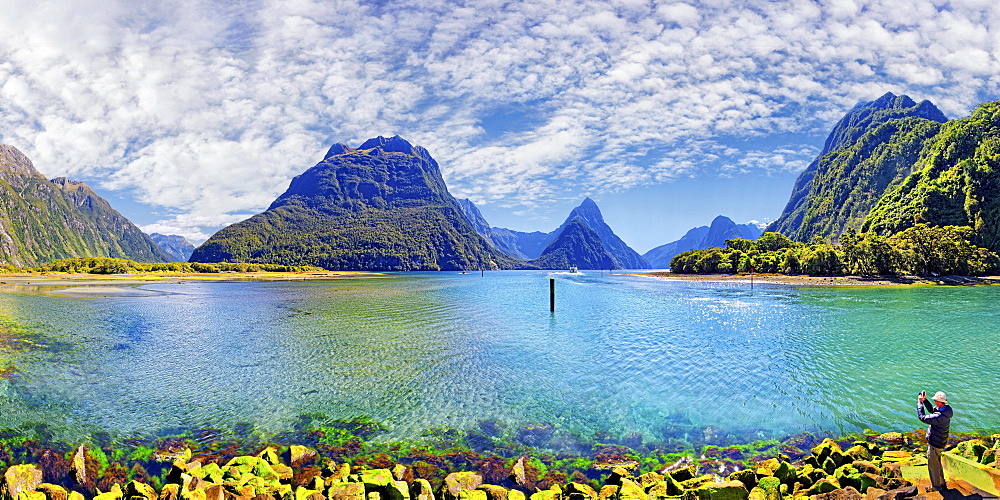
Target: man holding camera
pixel 939 418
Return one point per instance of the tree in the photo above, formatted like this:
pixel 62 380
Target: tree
pixel 771 242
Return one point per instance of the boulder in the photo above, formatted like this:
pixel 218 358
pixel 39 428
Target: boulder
pixel 54 491
pixel 579 491
pixel 20 478
pixel 847 493
pixel 727 490
pixel 616 476
pixel 303 493
pixel 553 493
pixel 340 472
pixel 397 490
pixel 746 476
pixel 476 495
pixel 858 452
pixel 457 482
pixel 136 490
pixel 630 490
pixel 78 468
pixel 695 483
pixel 896 456
pixel 972 449
pixel 421 490
pixel 115 493
pixel 648 479
pixel 300 456
pixel 517 474
pixel 31 495
pixel 824 485
pixel 769 487
pixel 346 491
pixel 681 474
pixel 873 493
pixel 515 495
pixel 399 472
pixel 494 492
pixel 376 479
pixel 864 466
pixel 899 493
pixel 170 491
pixel 608 492
pixel 825 449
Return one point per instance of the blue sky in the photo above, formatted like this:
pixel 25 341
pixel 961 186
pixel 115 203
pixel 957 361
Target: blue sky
pixel 192 115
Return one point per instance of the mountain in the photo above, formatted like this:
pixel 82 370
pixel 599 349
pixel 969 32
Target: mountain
pixel 177 247
pixel 501 239
pixel 43 220
pixel 722 228
pixel 867 153
pixel 623 256
pixel 525 245
pixel 576 245
pixel 381 206
pixel 955 181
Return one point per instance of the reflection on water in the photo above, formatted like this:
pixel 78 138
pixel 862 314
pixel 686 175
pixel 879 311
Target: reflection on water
pixel 621 355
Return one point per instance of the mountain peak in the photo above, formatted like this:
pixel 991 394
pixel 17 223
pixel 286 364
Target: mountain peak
pixel 394 144
pixel 12 160
pixel 338 149
pixel 588 210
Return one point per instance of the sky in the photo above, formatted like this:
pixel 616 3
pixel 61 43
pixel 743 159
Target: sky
pixel 189 116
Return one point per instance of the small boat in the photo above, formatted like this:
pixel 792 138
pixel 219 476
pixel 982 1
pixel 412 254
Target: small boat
pixel 573 269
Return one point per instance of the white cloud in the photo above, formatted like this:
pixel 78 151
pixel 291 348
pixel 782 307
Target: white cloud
pixel 207 109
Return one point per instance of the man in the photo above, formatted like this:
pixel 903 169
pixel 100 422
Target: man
pixel 939 419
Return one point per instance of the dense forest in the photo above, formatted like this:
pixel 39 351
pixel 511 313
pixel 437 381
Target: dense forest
pixel 920 250
pixel 108 265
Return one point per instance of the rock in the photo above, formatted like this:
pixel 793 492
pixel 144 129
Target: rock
pixel 847 493
pixel 553 493
pixel 31 495
pixel 399 472
pixel 864 466
pixel 695 483
pixel 608 492
pixel 459 481
pixel 20 478
pixel 616 475
pixel 302 493
pixel 728 490
pixel 515 495
pixel 346 491
pixel 421 490
pixel 300 456
pixel 896 456
pixel 630 490
pixel 211 473
pixel 517 475
pixel 55 492
pixel 170 491
pixel 270 455
pixel 660 490
pixel 340 472
pixel 648 479
pixel 770 487
pixel 681 474
pixel 899 493
pixel 476 495
pixel 873 493
pixel 376 478
pixel 397 490
pixel 972 449
pixel 140 491
pixel 891 437
pixel 494 492
pixel 825 449
pixel 746 476
pixel 858 452
pixel 114 494
pixel 215 492
pixel 824 485
pixel 373 495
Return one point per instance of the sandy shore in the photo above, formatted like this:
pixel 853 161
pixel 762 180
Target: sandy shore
pixel 803 280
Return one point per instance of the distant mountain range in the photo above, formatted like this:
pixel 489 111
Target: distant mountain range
pixel 722 228
pixel 43 220
pixel 177 247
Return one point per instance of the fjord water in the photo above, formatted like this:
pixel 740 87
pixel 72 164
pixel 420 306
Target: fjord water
pixel 621 354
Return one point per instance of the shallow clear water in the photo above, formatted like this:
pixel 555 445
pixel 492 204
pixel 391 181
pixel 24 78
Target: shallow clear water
pixel 621 354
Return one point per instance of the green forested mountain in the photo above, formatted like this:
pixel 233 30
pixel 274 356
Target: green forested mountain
pixel 868 151
pixel 382 206
pixel 956 181
pixel 576 245
pixel 42 220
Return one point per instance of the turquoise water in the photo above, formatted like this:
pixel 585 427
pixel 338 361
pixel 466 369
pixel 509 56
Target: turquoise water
pixel 621 355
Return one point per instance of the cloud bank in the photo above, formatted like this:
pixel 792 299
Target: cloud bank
pixel 206 110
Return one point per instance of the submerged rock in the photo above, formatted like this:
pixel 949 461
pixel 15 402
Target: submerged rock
pixel 20 478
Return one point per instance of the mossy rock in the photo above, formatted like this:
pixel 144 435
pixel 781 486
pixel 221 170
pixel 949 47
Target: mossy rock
pixel 858 452
pixel 896 456
pixel 608 491
pixel 31 495
pixel 823 450
pixel 630 490
pixel 746 476
pixel 770 487
pixel 685 473
pixel 990 456
pixel 211 473
pixel 481 495
pixel 303 493
pixel 553 493
pixel 457 482
pixel 972 449
pixel 824 485
pixel 515 495
pixel 727 490
pixel 648 479
pixel 378 479
pixel 397 490
pixel 115 493
pixel 829 465
pixel 139 490
pixel 864 466
pixel 53 491
pixel 345 491
pixel 580 491
pixel 695 483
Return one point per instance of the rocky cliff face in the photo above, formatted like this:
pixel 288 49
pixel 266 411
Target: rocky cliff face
pixel 42 220
pixel 177 247
pixel 867 153
pixel 381 206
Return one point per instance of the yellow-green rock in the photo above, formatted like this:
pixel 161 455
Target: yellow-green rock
pixel 397 490
pixel 515 495
pixel 53 491
pixel 630 490
pixel 770 487
pixel 472 495
pixel 580 491
pixel 607 492
pixel 136 490
pixel 346 491
pixel 727 490
pixel 695 483
pixel 21 478
pixel 170 491
pixel 460 481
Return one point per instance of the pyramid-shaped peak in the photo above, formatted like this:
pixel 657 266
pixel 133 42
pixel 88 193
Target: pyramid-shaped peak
pixel 394 144
pixel 338 149
pixel 13 160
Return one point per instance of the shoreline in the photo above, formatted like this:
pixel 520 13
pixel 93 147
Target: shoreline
pixel 826 281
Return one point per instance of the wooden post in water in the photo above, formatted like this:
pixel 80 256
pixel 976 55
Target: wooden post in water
pixel 552 294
